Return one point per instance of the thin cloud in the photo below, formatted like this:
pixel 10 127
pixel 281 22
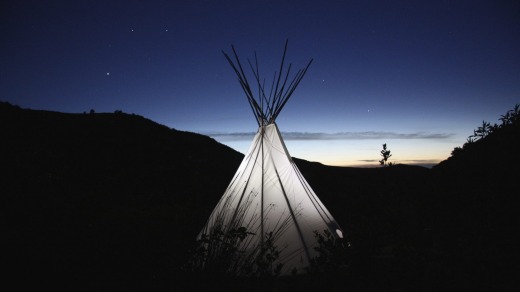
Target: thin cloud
pixel 422 162
pixel 244 136
pixel 369 135
pixel 367 160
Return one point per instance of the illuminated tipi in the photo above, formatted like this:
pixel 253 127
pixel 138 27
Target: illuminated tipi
pixel 268 205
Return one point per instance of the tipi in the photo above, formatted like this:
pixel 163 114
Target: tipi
pixel 269 213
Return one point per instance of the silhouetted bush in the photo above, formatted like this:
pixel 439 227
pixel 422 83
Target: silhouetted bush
pixel 333 254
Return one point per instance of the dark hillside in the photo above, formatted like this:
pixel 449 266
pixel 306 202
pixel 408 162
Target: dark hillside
pixel 112 201
pixel 93 197
pixel 477 190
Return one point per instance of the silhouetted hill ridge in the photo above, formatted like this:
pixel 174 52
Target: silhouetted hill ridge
pixel 81 189
pixel 476 190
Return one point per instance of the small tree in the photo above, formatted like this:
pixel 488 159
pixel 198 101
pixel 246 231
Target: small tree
pixel 482 132
pixel 511 117
pixel 385 153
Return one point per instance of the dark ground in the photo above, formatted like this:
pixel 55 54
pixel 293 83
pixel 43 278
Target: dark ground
pixel 112 202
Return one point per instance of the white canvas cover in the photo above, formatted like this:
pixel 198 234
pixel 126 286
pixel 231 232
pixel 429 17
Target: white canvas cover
pixel 269 194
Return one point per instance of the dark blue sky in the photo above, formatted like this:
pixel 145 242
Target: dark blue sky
pixel 417 75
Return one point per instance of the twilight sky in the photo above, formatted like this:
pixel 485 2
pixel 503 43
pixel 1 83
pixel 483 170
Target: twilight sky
pixel 417 75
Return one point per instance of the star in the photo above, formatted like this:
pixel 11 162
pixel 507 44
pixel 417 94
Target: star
pixel 108 73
